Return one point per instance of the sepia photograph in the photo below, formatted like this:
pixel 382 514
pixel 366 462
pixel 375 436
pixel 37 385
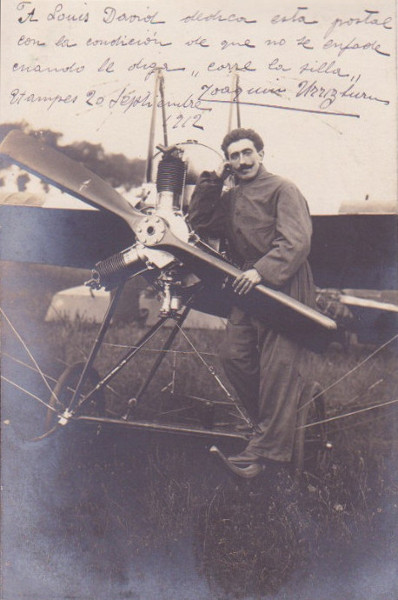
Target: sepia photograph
pixel 199 300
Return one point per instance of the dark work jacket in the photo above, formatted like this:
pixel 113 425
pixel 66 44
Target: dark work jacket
pixel 267 225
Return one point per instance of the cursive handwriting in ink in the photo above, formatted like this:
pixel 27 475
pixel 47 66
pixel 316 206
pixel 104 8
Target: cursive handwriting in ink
pixel 199 41
pixel 305 43
pixel 368 19
pixel 328 95
pixel 354 94
pixel 182 121
pixel 217 16
pixel 111 15
pixel 297 17
pixel 188 102
pixel 28 41
pixel 107 66
pixel 125 98
pixel 325 68
pixel 276 65
pixel 64 42
pixel 228 44
pixel 29 16
pixel 58 15
pixel 235 93
pixel 313 90
pixel 353 45
pixel 17 97
pixel 123 40
pixel 280 42
pixel 274 91
pixel 230 67
pixel 151 67
pixel 213 90
pixel 39 68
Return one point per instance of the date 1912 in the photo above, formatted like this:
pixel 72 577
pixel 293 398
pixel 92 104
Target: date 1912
pixel 181 121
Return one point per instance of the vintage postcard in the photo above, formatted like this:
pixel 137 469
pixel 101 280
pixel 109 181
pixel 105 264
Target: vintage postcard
pixel 199 300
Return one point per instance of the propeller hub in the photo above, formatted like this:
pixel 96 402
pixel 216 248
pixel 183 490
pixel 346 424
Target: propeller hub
pixel 151 230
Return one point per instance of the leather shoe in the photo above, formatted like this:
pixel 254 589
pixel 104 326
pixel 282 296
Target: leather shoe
pixel 245 458
pixel 247 472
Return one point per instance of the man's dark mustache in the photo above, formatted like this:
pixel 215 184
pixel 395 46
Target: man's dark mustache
pixel 245 168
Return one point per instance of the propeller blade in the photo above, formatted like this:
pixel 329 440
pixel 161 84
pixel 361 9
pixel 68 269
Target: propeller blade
pixel 66 174
pixel 367 303
pixel 171 241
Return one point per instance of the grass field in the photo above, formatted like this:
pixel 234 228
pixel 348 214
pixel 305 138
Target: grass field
pixel 120 514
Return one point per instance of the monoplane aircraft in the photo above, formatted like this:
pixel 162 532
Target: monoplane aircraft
pixel 154 240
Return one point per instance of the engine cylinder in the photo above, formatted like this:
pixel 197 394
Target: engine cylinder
pixel 107 271
pixel 171 175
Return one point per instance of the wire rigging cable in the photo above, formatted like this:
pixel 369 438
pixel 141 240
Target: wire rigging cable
pixel 46 378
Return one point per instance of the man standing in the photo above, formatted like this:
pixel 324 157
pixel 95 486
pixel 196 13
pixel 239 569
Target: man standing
pixel 267 227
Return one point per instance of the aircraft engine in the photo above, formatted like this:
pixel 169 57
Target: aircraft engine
pixel 164 208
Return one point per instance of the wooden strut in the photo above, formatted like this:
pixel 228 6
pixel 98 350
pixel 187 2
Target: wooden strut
pixel 167 345
pixel 234 101
pixel 158 89
pixel 97 343
pixel 151 141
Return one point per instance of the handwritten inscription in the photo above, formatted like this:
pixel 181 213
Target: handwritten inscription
pixel 199 41
pixel 371 17
pixel 29 14
pixel 18 96
pixel 230 67
pixel 328 95
pixel 151 68
pixel 64 42
pixel 353 44
pixel 39 68
pixel 236 44
pixel 28 41
pixel 299 16
pixel 326 68
pixel 124 40
pixel 111 15
pixel 218 16
pixel 107 55
pixel 58 14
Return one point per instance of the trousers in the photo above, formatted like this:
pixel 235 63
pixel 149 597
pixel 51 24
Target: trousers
pixel 268 371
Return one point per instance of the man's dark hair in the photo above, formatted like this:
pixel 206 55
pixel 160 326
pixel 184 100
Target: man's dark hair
pixel 242 134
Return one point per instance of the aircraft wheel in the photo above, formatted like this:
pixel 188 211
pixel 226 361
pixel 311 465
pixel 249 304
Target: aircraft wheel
pixel 311 443
pixel 63 392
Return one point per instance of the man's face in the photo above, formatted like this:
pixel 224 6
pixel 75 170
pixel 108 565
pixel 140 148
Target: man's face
pixel 244 159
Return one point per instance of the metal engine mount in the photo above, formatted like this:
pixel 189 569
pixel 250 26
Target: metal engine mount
pixel 156 220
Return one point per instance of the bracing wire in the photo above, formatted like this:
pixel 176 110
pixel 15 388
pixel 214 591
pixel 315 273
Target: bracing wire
pixel 194 351
pixel 22 389
pixel 350 414
pixel 360 364
pixel 18 336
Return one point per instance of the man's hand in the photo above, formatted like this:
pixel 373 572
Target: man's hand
pixel 246 281
pixel 223 170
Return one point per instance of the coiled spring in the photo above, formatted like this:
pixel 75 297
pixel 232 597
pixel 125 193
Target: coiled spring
pixel 171 175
